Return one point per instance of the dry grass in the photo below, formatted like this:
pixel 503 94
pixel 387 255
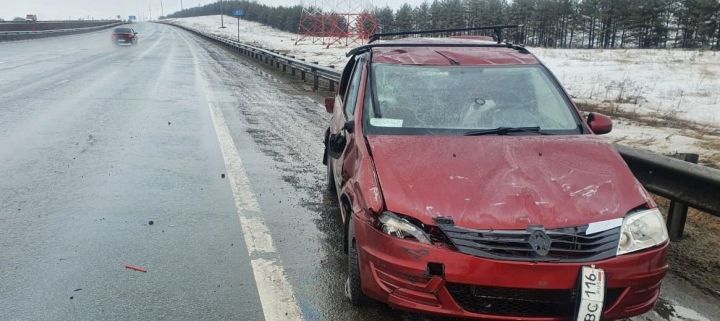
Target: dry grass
pixel 665 120
pixel 714 156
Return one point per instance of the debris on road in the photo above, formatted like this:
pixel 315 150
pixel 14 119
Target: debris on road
pixel 135 268
pixel 151 222
pixel 78 289
pixel 222 175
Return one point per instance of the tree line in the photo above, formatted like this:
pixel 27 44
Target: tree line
pixel 546 23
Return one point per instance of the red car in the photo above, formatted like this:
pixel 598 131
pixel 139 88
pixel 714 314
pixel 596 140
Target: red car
pixel 471 186
pixel 124 36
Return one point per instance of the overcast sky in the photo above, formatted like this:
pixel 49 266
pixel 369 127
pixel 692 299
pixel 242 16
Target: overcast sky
pixel 74 9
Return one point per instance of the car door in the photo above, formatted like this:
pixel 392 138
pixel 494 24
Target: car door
pixel 342 125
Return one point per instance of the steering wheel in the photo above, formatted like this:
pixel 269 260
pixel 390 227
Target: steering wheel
pixel 510 116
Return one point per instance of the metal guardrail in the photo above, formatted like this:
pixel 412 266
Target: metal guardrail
pixel 328 75
pixel 20 35
pixel 684 183
pixel 681 181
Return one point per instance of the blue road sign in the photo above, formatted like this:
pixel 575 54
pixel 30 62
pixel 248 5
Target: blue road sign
pixel 239 13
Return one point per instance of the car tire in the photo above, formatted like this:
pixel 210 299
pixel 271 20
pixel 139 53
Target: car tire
pixel 330 179
pixel 353 288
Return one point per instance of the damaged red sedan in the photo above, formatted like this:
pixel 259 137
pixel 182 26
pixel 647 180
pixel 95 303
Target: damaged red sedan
pixel 471 186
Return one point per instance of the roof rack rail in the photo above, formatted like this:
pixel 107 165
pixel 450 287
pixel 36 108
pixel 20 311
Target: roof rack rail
pixel 496 29
pixel 519 48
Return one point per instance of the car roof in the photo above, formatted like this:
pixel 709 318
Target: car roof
pixel 460 51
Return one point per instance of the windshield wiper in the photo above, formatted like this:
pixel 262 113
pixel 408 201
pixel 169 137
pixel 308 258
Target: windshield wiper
pixel 505 131
pixel 452 61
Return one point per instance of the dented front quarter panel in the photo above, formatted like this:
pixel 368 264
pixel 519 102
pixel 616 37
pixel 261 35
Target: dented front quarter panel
pixel 359 179
pixel 505 182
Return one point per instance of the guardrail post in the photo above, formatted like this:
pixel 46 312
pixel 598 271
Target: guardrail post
pixel 284 68
pixel 677 211
pixel 302 74
pixel 316 81
pixel 332 86
pixel 292 71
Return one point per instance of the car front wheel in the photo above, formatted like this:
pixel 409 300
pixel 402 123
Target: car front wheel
pixel 353 289
pixel 330 179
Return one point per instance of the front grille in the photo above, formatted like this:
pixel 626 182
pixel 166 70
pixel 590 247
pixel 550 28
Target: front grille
pixel 566 244
pixel 513 302
pixel 520 302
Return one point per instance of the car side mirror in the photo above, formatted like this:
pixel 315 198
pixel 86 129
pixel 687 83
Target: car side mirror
pixel 336 142
pixel 336 145
pixel 330 104
pixel 599 123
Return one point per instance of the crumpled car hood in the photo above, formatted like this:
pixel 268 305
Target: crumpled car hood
pixel 505 182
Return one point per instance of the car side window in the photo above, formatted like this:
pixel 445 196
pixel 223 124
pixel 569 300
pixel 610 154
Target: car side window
pixel 347 72
pixel 351 93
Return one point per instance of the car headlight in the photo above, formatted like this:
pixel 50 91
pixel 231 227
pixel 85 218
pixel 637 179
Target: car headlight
pixel 394 225
pixel 641 230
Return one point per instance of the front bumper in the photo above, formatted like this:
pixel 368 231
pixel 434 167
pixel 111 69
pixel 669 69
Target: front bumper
pixel 397 272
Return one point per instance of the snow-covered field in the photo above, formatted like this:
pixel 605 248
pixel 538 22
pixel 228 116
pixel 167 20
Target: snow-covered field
pixel 683 84
pixel 266 37
pixel 662 140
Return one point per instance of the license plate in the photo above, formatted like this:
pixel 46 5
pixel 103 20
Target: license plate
pixel 592 294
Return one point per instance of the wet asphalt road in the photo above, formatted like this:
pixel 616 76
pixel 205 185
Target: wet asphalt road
pixel 97 141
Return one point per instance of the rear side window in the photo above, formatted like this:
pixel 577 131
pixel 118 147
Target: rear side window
pixel 352 92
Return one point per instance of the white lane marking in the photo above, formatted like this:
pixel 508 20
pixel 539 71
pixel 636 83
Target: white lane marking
pixel 259 236
pixel 276 296
pixel 273 278
pixel 244 198
pixel 63 81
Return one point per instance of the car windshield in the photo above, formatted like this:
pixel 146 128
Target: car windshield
pixel 123 30
pixel 461 98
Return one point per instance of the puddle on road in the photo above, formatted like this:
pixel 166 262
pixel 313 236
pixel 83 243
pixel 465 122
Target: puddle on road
pixel 672 311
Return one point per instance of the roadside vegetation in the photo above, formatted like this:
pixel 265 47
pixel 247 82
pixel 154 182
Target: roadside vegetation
pixel 548 23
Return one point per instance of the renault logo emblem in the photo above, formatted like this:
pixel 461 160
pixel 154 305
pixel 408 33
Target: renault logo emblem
pixel 540 242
